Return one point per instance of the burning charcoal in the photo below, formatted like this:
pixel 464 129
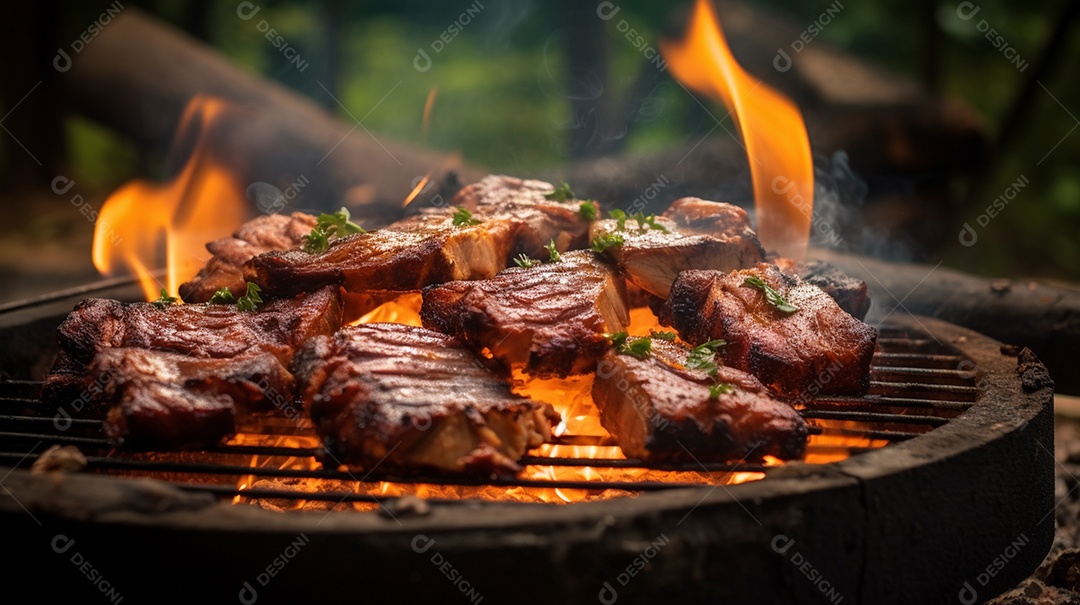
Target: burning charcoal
pixel 392 397
pixel 691 234
pixel 255 237
pixel 548 320
pixel 659 409
pixel 788 333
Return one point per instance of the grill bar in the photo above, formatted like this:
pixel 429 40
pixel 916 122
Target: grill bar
pixel 917 385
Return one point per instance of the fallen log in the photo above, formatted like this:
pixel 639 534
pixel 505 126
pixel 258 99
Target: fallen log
pixel 139 75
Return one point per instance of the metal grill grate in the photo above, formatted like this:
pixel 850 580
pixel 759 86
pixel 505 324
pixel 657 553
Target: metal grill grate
pixel 917 384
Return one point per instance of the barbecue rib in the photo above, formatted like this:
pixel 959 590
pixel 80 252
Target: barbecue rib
pixel 428 248
pixel 548 320
pixel 695 234
pixel 399 398
pixel 219 332
pixel 225 269
pixel 850 293
pixel 818 348
pixel 659 410
pixel 163 400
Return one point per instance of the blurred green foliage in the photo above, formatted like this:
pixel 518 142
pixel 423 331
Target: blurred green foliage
pixel 503 103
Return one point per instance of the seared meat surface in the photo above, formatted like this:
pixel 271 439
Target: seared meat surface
pixel 695 234
pixel 216 350
pixel 400 398
pixel 225 269
pixel 818 347
pixel 423 249
pixel 162 400
pixel 659 410
pixel 850 293
pixel 522 202
pixel 548 320
pixel 428 248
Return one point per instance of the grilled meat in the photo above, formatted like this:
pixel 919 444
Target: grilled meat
pixel 423 249
pixel 198 331
pixel 225 269
pixel 522 202
pixel 164 400
pixel 818 348
pixel 428 248
pixel 407 399
pixel 694 234
pixel 548 320
pixel 850 293
pixel 661 411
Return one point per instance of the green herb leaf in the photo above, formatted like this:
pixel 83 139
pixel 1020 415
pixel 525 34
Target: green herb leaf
pixel 607 240
pixel 553 252
pixel 620 219
pixel 165 299
pixel 647 222
pixel 668 336
pixel 251 300
pixel 562 193
pixel 222 297
pixel 624 345
pixel 328 226
pixel 524 261
pixel 772 296
pixel 463 218
pixel 703 357
pixel 588 211
pixel 720 388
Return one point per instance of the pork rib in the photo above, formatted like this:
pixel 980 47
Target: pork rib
pixel 695 234
pixel 225 269
pixel 548 320
pixel 659 410
pixel 408 399
pixel 818 348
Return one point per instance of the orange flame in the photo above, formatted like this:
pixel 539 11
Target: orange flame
pixel 425 124
pixel 168 224
pixel 772 128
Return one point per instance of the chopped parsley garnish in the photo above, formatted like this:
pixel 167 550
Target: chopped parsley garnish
pixel 553 252
pixel 620 219
pixel 251 300
pixel 588 211
pixel 524 261
pixel 720 388
pixel 463 218
pixel 328 226
pixel 165 300
pixel 624 345
pixel 562 193
pixel 668 336
pixel 647 222
pixel 607 240
pixel 703 357
pixel 223 296
pixel 772 296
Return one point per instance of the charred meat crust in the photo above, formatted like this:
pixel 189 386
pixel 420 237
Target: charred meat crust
pixel 257 236
pixel 658 410
pixel 696 234
pixel 548 320
pixel 850 293
pixel 172 401
pixel 408 399
pixel 818 349
pixel 215 344
pixel 428 248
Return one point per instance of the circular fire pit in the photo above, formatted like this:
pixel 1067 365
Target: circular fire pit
pixel 962 511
